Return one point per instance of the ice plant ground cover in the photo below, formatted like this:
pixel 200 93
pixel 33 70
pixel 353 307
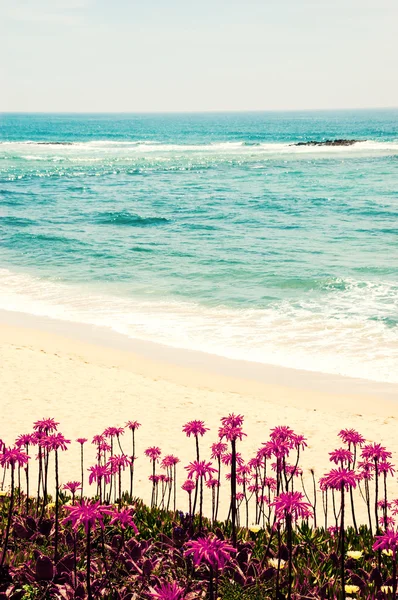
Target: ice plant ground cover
pixel 106 543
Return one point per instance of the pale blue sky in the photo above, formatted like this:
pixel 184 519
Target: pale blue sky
pixel 175 55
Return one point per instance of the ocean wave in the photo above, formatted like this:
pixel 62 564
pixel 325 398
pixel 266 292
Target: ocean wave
pixel 233 147
pixel 329 337
pixel 127 219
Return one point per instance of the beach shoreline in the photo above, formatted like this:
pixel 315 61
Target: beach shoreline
pixel 50 368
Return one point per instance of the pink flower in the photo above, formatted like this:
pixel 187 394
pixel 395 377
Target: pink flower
pixel 25 439
pixel 188 486
pixel 291 503
pixel 169 461
pixel 375 452
pixel 46 425
pixel 72 486
pixel 113 432
pixel 341 455
pixel 387 541
pixel 226 458
pixel 133 425
pixel 153 452
pixel 232 420
pixel 350 436
pixel 195 428
pixel 118 461
pixel 97 439
pixel 82 440
pixel 337 478
pixel 12 457
pixel 85 513
pixel 212 483
pixel 217 450
pixel 386 467
pixel 56 441
pixel 211 551
pixel 99 472
pixel 200 468
pixel 123 517
pixel 167 591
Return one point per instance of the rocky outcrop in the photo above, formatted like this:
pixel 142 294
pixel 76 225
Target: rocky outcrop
pixel 339 142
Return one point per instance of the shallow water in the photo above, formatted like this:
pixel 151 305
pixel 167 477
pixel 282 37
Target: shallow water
pixel 210 232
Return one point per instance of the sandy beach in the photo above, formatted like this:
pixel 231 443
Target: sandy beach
pixel 50 368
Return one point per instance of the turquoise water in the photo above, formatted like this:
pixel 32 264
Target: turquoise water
pixel 210 232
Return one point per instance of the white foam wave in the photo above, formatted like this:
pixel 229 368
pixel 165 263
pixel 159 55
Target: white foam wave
pixel 332 339
pixel 105 148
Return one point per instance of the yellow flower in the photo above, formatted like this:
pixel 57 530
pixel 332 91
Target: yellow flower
pixel 351 589
pixel 386 589
pixel 355 554
pixel 255 528
pixel 2 493
pixel 274 563
pixel 50 505
pixel 387 552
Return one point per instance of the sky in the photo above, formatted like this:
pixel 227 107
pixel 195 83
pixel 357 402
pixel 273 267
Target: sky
pixel 207 55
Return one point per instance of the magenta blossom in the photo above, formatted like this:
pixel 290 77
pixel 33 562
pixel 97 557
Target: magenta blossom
pixel 85 513
pixel 122 517
pixel 169 461
pixel 341 455
pixel 56 441
pixel 375 452
pixel 292 504
pixel 201 468
pixel 195 428
pixel 387 541
pixel 45 425
pixel 188 486
pixel 82 440
pixel 217 450
pixel 12 457
pixel 98 473
pixel 72 486
pixel 339 478
pixel 350 436
pixel 153 453
pixel 167 591
pixel 133 425
pixel 25 439
pixel 211 551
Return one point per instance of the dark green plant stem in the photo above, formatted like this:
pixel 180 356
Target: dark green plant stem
pixel 10 509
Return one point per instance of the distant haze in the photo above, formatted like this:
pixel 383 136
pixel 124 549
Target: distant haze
pixel 180 55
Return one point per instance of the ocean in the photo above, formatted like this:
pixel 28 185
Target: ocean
pixel 212 232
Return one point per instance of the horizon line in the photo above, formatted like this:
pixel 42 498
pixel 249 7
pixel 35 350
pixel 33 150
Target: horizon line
pixel 192 112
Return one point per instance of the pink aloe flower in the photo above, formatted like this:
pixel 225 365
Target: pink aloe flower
pixel 72 486
pixel 86 514
pixel 212 483
pixel 341 455
pixel 292 504
pixel 375 452
pixel 153 453
pixel 226 459
pixel 122 517
pixel 201 468
pixel 99 473
pixel 25 439
pixel 338 478
pixel 169 461
pixel 133 425
pixel 82 441
pixel 97 439
pixel 167 591
pixel 211 551
pixel 387 541
pixel 118 461
pixel 350 436
pixel 387 468
pixel 45 425
pixel 188 486
pixel 12 457
pixel 195 428
pixel 56 441
pixel 217 450
pixel 113 432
